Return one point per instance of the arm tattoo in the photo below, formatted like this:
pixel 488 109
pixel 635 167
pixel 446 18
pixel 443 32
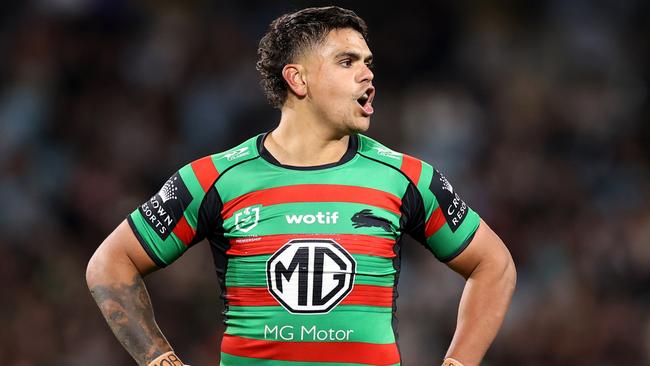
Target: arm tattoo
pixel 128 311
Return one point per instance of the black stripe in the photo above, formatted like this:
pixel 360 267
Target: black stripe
pixel 413 209
pixel 210 224
pixel 208 214
pixel 219 245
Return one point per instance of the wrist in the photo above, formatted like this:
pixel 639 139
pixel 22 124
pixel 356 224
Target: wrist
pixel 451 362
pixel 166 359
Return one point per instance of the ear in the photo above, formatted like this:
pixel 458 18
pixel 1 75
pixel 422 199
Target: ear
pixel 294 75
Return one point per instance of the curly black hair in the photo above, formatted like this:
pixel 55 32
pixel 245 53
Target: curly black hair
pixel 293 33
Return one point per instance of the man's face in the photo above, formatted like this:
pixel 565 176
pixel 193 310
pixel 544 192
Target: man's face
pixel 339 81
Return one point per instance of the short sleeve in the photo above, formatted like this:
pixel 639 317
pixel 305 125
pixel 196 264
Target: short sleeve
pixel 174 219
pixel 446 224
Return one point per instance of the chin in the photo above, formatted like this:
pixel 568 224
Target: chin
pixel 362 126
pixel 357 125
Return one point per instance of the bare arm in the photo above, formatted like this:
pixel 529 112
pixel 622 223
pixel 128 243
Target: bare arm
pixel 490 272
pixel 114 277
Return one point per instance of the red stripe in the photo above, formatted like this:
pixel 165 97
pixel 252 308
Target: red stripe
pixel 435 222
pixel 339 352
pixel 355 244
pixel 184 231
pixel 205 172
pixel 368 295
pixel 412 167
pixel 314 193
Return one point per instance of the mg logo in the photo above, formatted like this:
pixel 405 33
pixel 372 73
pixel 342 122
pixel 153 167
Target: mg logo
pixel 247 218
pixel 310 276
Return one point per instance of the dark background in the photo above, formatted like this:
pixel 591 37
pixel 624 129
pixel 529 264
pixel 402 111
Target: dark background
pixel 536 111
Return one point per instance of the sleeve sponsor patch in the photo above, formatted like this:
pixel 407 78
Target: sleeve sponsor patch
pixel 452 207
pixel 165 209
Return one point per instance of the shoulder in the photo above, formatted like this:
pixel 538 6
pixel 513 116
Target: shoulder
pixel 209 168
pixel 411 167
pixel 224 160
pixel 243 152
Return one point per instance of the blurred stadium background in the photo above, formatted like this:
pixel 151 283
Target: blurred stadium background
pixel 538 112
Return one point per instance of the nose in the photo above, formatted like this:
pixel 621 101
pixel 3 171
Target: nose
pixel 366 74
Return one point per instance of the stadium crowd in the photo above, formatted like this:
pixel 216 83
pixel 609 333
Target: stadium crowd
pixel 537 112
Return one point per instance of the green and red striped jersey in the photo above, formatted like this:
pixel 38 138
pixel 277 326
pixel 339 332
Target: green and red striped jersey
pixel 308 258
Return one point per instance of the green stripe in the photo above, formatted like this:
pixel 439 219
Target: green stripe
pixel 360 172
pixel 251 271
pixel 172 247
pixel 226 159
pixel 428 198
pixel 338 308
pixel 445 243
pixel 273 220
pixel 348 324
pixel 378 151
pixel 230 360
pixel 166 250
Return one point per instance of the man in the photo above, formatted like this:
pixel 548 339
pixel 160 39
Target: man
pixel 305 223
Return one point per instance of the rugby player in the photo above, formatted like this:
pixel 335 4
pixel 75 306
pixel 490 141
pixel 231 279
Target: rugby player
pixel 305 223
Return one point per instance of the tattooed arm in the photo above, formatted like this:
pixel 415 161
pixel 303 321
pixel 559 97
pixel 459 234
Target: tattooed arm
pixel 114 277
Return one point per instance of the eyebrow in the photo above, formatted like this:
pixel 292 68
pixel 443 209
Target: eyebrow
pixel 353 55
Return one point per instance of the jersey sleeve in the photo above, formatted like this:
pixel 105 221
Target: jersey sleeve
pixel 176 217
pixel 439 218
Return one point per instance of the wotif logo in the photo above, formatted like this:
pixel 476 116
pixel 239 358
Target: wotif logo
pixel 326 218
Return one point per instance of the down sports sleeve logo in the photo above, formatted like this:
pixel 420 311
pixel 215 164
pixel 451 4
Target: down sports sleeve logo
pixel 310 276
pixel 453 208
pixel 165 209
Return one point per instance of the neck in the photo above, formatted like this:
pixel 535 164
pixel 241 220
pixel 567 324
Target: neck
pixel 303 141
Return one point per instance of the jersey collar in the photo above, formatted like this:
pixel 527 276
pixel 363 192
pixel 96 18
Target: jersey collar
pixel 353 145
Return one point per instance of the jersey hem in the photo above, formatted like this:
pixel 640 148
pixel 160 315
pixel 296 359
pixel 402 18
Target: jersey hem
pixel 144 244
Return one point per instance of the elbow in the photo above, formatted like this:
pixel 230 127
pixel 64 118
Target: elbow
pixel 509 274
pixel 101 266
pixel 500 270
pixel 109 265
pixel 93 270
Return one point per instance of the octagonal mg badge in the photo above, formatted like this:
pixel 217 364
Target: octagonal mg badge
pixel 310 276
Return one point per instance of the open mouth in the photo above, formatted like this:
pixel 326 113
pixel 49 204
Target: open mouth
pixel 365 100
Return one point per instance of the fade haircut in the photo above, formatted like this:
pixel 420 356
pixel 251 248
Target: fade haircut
pixel 290 35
